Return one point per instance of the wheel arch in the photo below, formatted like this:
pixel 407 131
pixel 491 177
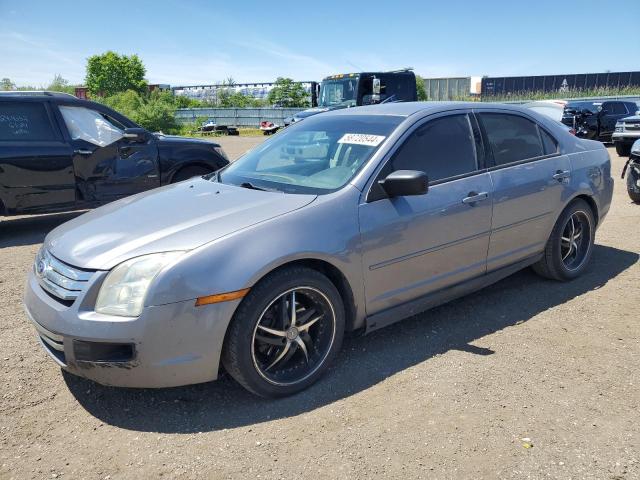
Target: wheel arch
pixel 591 202
pixel 189 164
pixel 335 276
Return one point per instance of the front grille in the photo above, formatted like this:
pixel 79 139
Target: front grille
pixel 632 126
pixel 58 279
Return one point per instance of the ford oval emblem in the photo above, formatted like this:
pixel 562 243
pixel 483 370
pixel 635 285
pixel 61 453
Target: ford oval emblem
pixel 41 267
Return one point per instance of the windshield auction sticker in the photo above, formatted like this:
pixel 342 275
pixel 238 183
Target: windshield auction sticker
pixel 362 139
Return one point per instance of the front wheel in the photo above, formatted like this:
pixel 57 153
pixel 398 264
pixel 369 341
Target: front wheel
pixel 633 184
pixel 570 245
pixel 285 333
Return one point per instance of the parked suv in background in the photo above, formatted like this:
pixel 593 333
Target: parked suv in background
pixel 58 153
pixel 595 120
pixel 627 131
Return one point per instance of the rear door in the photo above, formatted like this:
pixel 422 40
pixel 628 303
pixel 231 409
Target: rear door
pixel 107 165
pixel 611 113
pixel 416 245
pixel 529 178
pixel 36 172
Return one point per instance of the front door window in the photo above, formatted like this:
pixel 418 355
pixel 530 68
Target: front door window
pixel 91 126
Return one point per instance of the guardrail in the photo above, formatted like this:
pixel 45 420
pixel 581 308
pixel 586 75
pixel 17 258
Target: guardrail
pixel 239 117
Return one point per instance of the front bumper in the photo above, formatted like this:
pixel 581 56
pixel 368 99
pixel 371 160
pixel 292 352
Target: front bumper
pixel 625 137
pixel 174 344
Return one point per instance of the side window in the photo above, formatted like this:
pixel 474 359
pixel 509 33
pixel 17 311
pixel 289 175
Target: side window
pixel 90 125
pixel 617 108
pixel 549 143
pixel 512 138
pixel 441 148
pixel 25 121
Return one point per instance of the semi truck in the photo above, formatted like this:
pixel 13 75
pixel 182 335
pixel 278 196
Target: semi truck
pixel 364 88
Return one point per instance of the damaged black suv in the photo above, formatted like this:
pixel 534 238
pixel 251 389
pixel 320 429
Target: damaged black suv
pixel 59 153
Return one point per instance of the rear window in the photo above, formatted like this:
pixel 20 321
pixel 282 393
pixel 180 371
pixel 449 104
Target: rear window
pixel 512 138
pixel 20 121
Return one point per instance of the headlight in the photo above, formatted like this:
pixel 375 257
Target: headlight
pixel 125 288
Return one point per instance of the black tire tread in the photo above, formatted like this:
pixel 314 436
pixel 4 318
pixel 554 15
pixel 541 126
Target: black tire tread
pixel 623 149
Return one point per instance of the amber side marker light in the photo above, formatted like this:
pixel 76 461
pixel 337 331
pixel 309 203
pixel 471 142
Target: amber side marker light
pixel 221 297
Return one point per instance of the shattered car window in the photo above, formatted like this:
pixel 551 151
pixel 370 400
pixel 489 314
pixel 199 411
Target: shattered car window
pixel 89 125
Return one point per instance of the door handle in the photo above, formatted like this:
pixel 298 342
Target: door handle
pixel 83 151
pixel 475 197
pixel 560 175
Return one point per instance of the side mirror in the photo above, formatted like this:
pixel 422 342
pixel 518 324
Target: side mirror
pixel 405 182
pixel 135 134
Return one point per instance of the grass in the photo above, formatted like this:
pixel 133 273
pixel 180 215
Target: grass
pixel 244 132
pixel 576 93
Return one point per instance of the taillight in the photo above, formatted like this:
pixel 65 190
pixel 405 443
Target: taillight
pixel 572 131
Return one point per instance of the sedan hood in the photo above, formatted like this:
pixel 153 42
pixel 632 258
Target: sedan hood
pixel 182 216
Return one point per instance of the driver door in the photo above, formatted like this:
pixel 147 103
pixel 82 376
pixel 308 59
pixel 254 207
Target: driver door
pixel 108 166
pixel 416 245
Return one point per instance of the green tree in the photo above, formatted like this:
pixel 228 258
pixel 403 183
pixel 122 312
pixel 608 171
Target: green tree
pixel 110 73
pixel 287 93
pixel 7 84
pixel 154 111
pixel 420 87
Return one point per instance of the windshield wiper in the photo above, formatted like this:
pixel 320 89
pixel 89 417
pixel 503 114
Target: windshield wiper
pixel 251 186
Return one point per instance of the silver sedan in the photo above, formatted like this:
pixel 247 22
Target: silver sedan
pixel 350 220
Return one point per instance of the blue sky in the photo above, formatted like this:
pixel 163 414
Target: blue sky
pixel 199 42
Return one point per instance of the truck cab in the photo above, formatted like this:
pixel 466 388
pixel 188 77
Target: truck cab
pixel 358 89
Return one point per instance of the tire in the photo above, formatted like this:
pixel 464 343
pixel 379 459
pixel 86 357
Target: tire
pixel 553 265
pixel 633 189
pixel 186 173
pixel 623 149
pixel 250 351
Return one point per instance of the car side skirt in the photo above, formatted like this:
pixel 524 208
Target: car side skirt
pixel 427 302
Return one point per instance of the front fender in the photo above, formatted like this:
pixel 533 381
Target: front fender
pixel 326 230
pixel 173 157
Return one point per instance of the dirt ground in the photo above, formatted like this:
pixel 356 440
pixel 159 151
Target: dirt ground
pixel 526 379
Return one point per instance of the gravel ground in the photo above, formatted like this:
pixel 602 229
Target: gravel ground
pixel 525 379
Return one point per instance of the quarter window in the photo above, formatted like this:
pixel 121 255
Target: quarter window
pixel 549 143
pixel 20 121
pixel 512 138
pixel 441 148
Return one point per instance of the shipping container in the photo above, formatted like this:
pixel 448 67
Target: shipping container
pixel 452 88
pixel 499 86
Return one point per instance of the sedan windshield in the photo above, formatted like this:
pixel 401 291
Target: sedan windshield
pixel 318 155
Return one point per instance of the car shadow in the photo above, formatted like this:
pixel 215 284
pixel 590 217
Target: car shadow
pixel 363 362
pixel 29 230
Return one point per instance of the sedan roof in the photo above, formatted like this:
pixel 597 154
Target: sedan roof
pixel 406 109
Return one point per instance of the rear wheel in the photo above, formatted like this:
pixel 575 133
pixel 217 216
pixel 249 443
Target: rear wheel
pixel 285 333
pixel 186 173
pixel 623 149
pixel 570 245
